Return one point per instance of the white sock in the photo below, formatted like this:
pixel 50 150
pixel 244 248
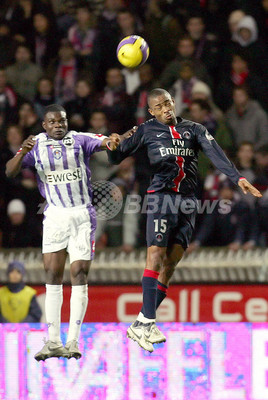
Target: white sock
pixel 78 305
pixel 53 303
pixel 143 319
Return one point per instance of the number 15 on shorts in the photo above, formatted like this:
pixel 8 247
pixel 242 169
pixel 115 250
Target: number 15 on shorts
pixel 160 225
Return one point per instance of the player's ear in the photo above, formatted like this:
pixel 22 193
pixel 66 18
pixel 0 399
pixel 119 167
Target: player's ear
pixel 44 125
pixel 151 111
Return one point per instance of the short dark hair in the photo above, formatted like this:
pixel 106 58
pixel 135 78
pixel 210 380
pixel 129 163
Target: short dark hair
pixel 156 92
pixel 54 108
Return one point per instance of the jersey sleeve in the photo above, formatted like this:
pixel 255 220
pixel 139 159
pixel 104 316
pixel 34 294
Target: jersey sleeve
pixel 215 153
pixel 28 160
pixel 90 142
pixel 127 147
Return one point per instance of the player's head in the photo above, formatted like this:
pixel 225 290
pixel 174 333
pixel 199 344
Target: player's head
pixel 55 121
pixel 162 106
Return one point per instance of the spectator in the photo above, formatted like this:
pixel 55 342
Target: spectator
pixel 246 119
pixel 245 163
pixel 101 169
pixel 182 88
pixel 18 302
pixel 120 231
pixel 162 31
pixel 114 101
pixel 23 75
pixel 81 106
pixel 221 228
pixel 206 45
pixel 200 112
pixel 245 39
pixel 237 76
pixel 44 40
pixel 17 231
pixel 139 98
pixel 201 91
pixel 234 18
pixel 44 96
pixel 64 71
pixel 8 102
pixel 185 52
pixel 6 52
pixel 28 119
pixel 83 34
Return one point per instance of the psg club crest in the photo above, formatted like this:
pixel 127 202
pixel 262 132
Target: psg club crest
pixel 186 135
pixel 57 154
pixel 159 237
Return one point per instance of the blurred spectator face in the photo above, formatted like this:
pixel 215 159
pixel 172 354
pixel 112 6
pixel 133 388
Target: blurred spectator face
pixel 82 89
pixel 239 65
pixel 226 193
pixel 45 87
pixel 14 136
pixel 199 96
pixel 186 73
pixel 195 27
pixel 3 79
pixel 197 113
pixel 15 276
pixel 265 5
pixel 146 74
pixel 126 169
pixel 261 159
pixel 16 218
pixel 4 30
pixel 41 23
pixel 125 20
pixel 83 16
pixel 234 18
pixel 26 110
pixel 98 120
pixel 245 34
pixel 114 78
pixel 245 153
pixel 23 55
pixel 186 48
pixel 66 52
pixel 113 5
pixel 240 98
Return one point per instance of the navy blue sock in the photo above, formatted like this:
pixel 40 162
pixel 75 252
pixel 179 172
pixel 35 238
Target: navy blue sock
pixel 161 294
pixel 149 288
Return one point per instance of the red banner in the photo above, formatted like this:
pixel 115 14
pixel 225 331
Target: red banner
pixel 184 303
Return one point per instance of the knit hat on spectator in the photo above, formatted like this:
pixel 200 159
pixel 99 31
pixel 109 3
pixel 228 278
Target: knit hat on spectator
pixel 16 265
pixel 16 206
pixel 201 87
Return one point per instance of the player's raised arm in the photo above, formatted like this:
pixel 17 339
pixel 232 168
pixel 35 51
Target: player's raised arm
pixel 13 166
pixel 217 156
pixel 130 142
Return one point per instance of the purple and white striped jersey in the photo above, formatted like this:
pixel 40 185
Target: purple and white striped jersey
pixel 64 177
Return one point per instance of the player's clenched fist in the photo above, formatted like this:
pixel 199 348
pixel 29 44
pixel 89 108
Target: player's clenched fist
pixel 114 141
pixel 28 144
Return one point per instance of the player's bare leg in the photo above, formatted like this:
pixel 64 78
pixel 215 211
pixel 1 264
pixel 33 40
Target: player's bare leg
pixel 143 330
pixel 173 256
pixel 78 305
pixel 54 266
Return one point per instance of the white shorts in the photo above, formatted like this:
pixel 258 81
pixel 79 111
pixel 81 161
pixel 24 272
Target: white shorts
pixel 72 229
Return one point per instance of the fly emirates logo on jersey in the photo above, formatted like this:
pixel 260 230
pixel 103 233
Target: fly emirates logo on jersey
pixel 178 149
pixel 66 176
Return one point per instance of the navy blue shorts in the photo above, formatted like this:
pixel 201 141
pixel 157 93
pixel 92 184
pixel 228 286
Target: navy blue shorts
pixel 170 219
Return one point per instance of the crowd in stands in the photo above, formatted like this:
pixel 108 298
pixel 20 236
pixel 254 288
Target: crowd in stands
pixel 211 55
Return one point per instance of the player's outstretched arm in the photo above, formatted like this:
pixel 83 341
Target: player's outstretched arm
pixel 130 142
pixel 13 166
pixel 111 143
pixel 248 188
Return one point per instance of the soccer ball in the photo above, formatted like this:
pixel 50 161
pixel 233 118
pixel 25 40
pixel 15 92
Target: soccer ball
pixel 132 51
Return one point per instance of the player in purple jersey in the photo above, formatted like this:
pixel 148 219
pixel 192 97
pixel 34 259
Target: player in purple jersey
pixel 172 145
pixel 60 158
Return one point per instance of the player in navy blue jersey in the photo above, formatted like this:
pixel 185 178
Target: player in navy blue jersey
pixel 172 145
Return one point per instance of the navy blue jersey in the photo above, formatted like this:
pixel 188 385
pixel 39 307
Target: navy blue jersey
pixel 173 154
